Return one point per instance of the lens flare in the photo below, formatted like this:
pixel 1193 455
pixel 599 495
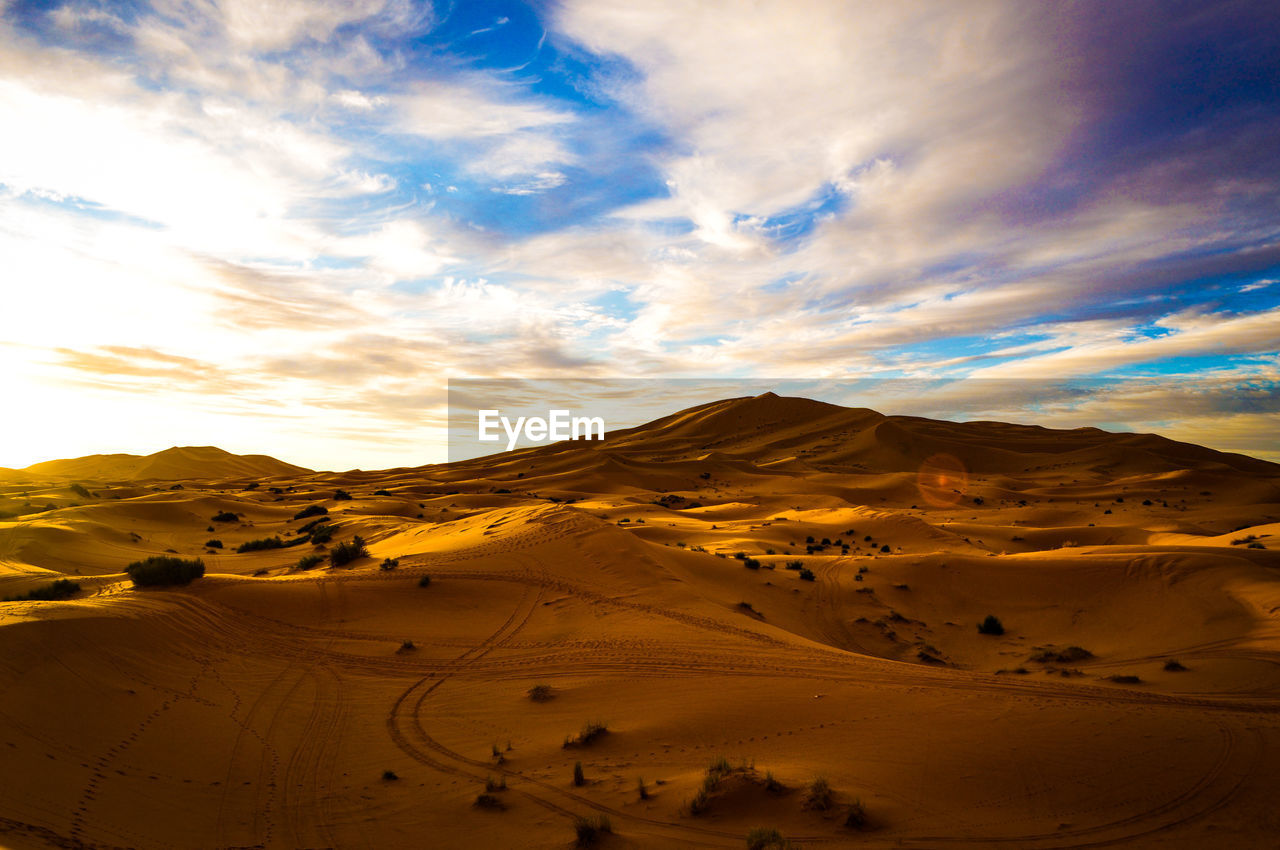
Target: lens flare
pixel 942 480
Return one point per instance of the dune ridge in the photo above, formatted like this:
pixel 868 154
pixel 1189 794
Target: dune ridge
pixel 176 463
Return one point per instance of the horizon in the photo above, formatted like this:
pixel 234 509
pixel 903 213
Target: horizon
pixel 625 425
pixel 283 232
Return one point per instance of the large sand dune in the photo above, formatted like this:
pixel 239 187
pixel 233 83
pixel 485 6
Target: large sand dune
pixel 1133 699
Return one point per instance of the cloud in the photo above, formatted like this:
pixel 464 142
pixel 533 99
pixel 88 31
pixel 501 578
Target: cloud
pixel 348 201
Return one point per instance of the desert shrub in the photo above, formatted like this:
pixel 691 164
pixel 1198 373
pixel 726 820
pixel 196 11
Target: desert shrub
pixel 389 775
pixel 795 565
pixel 424 581
pixel 807 575
pixel 641 788
pixel 579 778
pixel 311 526
pixel 1065 656
pixel 308 562
pixel 159 570
pixel 225 516
pixel 60 589
pixel 345 553
pixel 341 496
pixel 885 548
pixel 259 545
pixel 499 784
pixel 771 783
pixel 213 544
pixel 591 829
pixel 80 490
pixel 991 626
pixel 1256 545
pixel 751 563
pixel 819 795
pixel 381 492
pixel 541 693
pixel 311 510
pixel 407 646
pixel 323 534
pixel 488 801
pixel 390 563
pixel 761 838
pixel 856 817
pixel 1125 680
pixel 253 485
pixel 1173 665
pixel 700 802
pixel 591 731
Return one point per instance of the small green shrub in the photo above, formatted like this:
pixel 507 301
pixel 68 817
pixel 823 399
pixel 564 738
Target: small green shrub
pixel 795 565
pixel 345 553
pixel 322 534
pixel 315 523
pixel 260 545
pixel 541 693
pixel 488 801
pixel 819 795
pixel 225 516
pixel 856 817
pixel 389 563
pixel 159 571
pixel 311 510
pixel 308 562
pixel 591 731
pixel 991 626
pixel 760 838
pixel 591 829
pixel 60 589
pixel 1070 655
pixel 213 544
pixel 807 575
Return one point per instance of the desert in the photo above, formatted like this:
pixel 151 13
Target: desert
pixel 744 616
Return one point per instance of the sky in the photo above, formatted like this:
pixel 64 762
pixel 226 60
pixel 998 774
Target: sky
pixel 283 227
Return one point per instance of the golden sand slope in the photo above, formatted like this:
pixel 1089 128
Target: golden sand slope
pixel 177 463
pixel 261 705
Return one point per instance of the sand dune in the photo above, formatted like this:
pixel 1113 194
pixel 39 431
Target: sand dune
pixel 790 586
pixel 177 463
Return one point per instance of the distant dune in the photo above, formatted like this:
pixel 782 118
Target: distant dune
pixel 179 462
pixel 762 613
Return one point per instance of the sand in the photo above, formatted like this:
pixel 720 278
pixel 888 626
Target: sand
pixel 266 706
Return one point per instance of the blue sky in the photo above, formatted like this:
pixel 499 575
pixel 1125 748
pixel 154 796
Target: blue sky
pixel 282 227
